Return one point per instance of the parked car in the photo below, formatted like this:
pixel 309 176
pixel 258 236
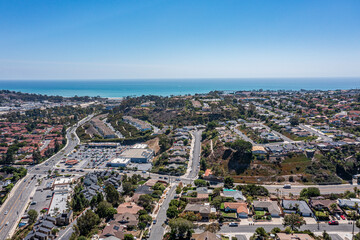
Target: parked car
pixel 233 224
pixel 337 216
pixel 342 217
pixel 6 212
pixel 333 223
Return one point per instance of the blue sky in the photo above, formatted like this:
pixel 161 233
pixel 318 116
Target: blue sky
pixel 88 39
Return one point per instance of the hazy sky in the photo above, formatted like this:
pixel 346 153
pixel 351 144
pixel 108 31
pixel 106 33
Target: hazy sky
pixel 178 39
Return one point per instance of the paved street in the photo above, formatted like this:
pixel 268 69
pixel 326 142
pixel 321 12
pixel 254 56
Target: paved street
pixel 316 132
pixel 158 229
pixel 195 166
pixel 14 206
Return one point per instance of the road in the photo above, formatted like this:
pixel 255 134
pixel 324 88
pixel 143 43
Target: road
pixel 20 195
pixel 14 206
pixel 195 163
pixel 158 229
pixel 316 132
pixel 242 135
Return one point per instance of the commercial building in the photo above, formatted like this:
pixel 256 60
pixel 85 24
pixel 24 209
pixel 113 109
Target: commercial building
pixel 59 200
pixel 118 162
pixel 138 155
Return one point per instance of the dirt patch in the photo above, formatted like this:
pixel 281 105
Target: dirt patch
pixel 154 144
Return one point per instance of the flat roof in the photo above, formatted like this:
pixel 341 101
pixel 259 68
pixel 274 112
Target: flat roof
pixel 63 181
pixel 58 203
pixel 136 153
pixel 120 160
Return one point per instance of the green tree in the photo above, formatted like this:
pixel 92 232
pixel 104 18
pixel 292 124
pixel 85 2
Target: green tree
pixel 213 227
pixel 241 146
pixel 56 146
pixel 127 188
pixel 146 218
pixel 294 221
pixel 33 214
pixel 261 232
pixel 310 192
pixel 216 202
pixel 105 210
pixel 228 182
pixel 172 212
pixel 180 227
pixel 87 222
pixel 93 202
pixel 112 195
pixel 294 121
pixel 146 202
pixel 128 237
pixel 200 183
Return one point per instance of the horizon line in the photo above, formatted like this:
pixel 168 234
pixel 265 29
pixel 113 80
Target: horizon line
pixel 185 78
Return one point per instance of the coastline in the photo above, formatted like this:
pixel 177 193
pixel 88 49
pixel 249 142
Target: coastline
pixel 122 88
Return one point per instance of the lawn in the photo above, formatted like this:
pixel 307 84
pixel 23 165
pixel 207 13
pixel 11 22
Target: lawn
pixel 260 213
pixel 229 215
pixel 222 207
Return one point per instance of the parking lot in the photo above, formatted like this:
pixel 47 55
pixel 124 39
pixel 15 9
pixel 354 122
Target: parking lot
pixel 91 157
pixel 42 197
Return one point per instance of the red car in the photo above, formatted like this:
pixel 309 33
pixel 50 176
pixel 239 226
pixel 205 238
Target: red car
pixel 342 217
pixel 333 223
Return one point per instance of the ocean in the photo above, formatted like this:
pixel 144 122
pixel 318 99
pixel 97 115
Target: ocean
pixel 163 87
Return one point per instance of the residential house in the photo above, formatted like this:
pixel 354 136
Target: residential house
pixel 295 206
pixel 325 204
pixel 127 219
pixel 129 207
pixel 240 208
pixel 258 150
pixel 349 203
pixel 113 229
pixel 271 207
pixel 204 210
pixel 235 194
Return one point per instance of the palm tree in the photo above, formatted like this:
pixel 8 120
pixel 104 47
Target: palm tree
pixel 333 206
pixel 277 192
